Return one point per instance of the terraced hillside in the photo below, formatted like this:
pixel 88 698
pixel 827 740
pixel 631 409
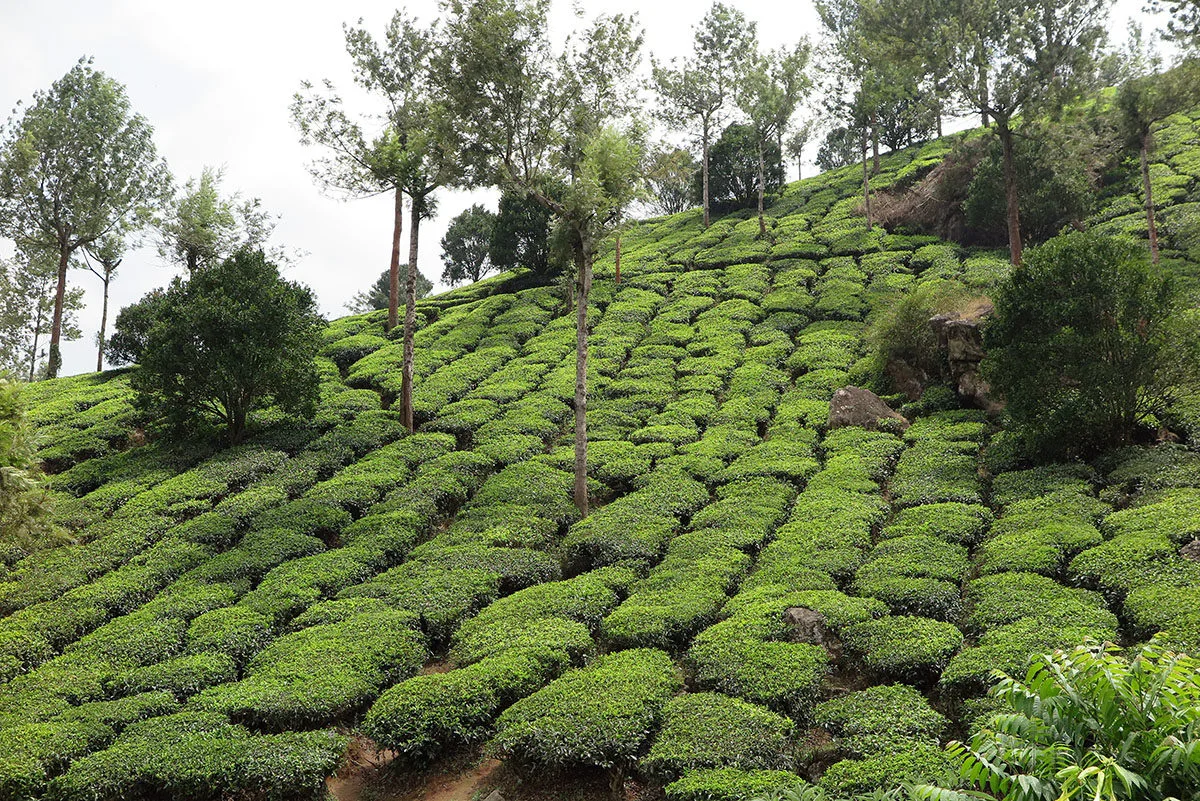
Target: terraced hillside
pixel 229 619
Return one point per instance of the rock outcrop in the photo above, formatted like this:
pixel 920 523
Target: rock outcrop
pixel 960 338
pixel 855 406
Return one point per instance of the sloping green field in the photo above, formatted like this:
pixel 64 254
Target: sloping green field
pixel 229 618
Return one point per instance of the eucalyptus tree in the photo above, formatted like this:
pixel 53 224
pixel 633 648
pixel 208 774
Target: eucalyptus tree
pixel 669 176
pixel 696 91
pixel 768 93
pixel 103 257
pixel 73 165
pixel 27 290
pixel 414 153
pixel 798 140
pixel 554 126
pixel 1013 57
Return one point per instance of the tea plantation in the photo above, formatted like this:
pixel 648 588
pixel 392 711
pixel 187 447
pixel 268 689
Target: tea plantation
pixel 230 618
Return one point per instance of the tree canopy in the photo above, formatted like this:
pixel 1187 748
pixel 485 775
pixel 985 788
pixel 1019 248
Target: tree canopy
pixel 228 340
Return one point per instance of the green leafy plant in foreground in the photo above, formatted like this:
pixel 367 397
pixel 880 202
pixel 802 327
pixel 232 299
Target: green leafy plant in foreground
pixel 1088 723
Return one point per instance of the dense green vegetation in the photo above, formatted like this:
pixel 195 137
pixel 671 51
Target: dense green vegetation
pixel 224 612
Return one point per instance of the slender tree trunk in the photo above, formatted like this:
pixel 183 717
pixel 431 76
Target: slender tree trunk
pixel 1153 229
pixel 762 188
pixel 60 294
pixel 394 267
pixel 618 259
pixel 800 166
pixel 1013 209
pixel 583 266
pixel 874 142
pixel 103 324
pixel 37 334
pixel 704 170
pixel 866 181
pixel 410 313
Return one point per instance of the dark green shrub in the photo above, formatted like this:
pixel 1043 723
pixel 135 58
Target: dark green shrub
pixel 879 719
pixel 706 730
pixel 732 784
pixel 426 715
pixel 904 646
pixel 1066 392
pixel 598 716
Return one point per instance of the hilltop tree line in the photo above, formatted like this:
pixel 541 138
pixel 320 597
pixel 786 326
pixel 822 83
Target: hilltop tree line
pixel 481 97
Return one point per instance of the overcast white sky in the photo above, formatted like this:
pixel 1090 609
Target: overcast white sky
pixel 215 79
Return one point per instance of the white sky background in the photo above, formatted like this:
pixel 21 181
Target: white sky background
pixel 215 80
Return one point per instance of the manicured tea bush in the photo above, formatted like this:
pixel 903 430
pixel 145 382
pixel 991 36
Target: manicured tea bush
pixel 904 647
pixel 598 716
pixel 707 730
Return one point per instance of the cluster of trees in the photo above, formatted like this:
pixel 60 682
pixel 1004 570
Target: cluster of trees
pixel 81 184
pixel 478 241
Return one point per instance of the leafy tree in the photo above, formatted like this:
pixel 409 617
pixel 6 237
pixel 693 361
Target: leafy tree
pixel 1015 56
pixel 107 253
pixel 521 236
pixel 557 128
pixel 734 169
pixel 201 227
pixel 73 165
pixel 1088 340
pixel 1060 187
pixel 1183 27
pixel 798 140
pixel 840 149
pixel 768 94
pixel 27 285
pixel 131 329
pixel 25 523
pixel 226 341
pixel 694 92
pixel 670 176
pixel 1089 723
pixel 467 245
pixel 377 295
pixel 1142 102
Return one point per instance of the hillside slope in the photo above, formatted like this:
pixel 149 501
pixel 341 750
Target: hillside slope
pixel 229 617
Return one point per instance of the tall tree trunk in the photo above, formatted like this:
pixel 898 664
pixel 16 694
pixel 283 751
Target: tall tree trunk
pixel 583 267
pixel 874 142
pixel 410 314
pixel 1013 206
pixel 394 266
pixel 762 189
pixel 60 294
pixel 618 260
pixel 1151 226
pixel 103 323
pixel 866 180
pixel 37 334
pixel 704 169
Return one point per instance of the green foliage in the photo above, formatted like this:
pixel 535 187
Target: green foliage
pixel 1088 723
pixel 900 329
pixel 225 341
pixel 904 647
pixel 467 245
pixel 732 784
pixel 733 168
pixel 706 730
pixel 375 297
pixel 1084 345
pixel 598 716
pixel 25 523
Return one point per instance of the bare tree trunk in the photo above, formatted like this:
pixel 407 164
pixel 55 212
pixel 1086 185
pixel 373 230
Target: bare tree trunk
pixel 1153 229
pixel 704 169
pixel 394 267
pixel 103 323
pixel 984 93
pixel 583 264
pixel 410 315
pixel 60 294
pixel 618 259
pixel 866 180
pixel 1013 210
pixel 37 334
pixel 762 188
